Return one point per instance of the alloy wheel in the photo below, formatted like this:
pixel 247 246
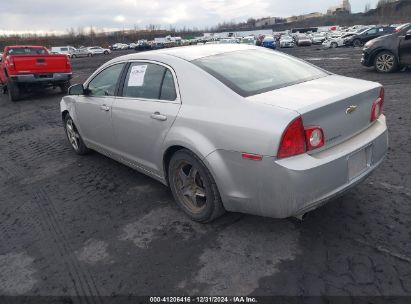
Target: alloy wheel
pixel 190 187
pixel 72 134
pixel 385 62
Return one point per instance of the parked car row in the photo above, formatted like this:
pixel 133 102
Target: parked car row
pixel 80 52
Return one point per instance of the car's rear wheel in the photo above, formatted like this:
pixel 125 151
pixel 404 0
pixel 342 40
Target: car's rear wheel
pixel 385 62
pixel 105 53
pixel 74 137
pixel 357 43
pixel 13 91
pixel 194 188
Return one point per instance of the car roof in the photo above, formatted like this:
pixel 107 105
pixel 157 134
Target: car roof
pixel 25 46
pixel 194 52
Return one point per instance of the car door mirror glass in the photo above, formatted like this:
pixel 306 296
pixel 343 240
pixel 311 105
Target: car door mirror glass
pixel 77 89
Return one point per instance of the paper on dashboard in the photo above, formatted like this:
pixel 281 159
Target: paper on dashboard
pixel 137 75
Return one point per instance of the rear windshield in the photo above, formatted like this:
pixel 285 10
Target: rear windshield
pixel 403 27
pixel 26 51
pixel 253 72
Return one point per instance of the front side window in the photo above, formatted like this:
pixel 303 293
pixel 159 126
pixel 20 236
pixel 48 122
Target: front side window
pixel 372 32
pixel 253 72
pixel 105 83
pixel 149 81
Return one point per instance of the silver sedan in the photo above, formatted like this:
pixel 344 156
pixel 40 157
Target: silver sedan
pixel 231 127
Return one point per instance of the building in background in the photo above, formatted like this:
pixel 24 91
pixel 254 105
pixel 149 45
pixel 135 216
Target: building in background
pixel 344 8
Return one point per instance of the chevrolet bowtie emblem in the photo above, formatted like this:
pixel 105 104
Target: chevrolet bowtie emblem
pixel 351 109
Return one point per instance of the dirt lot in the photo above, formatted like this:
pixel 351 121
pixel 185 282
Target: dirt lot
pixel 72 225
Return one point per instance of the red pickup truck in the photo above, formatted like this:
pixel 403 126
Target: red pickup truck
pixel 24 67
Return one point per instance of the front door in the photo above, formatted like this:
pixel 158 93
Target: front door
pixel 144 113
pixel 405 49
pixel 93 110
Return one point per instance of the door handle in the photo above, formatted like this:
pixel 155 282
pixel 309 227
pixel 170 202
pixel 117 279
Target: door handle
pixel 105 108
pixel 158 116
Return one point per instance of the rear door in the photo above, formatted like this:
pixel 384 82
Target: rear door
pixel 145 112
pixel 405 49
pixel 94 109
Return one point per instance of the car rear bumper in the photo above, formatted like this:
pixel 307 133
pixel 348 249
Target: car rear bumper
pixel 42 77
pixel 296 185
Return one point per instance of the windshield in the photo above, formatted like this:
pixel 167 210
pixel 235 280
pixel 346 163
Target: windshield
pixel 361 31
pixel 26 51
pixel 253 72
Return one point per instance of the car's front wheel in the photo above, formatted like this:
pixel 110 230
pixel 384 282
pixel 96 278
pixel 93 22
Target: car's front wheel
pixel 334 45
pixel 385 62
pixel 194 188
pixel 74 137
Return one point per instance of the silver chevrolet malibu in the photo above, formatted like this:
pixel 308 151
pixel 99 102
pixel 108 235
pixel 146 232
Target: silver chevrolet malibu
pixel 231 127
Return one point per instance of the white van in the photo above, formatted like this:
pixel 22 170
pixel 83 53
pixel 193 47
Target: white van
pixel 64 50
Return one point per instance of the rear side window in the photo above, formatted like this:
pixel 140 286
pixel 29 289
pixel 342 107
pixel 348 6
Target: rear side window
pixel 253 72
pixel 105 83
pixel 149 81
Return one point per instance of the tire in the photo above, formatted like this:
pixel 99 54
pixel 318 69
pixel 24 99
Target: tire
pixel 73 56
pixel 73 136
pixel 385 62
pixel 13 91
pixel 357 43
pixel 194 188
pixel 106 53
pixel 334 45
pixel 89 55
pixel 64 87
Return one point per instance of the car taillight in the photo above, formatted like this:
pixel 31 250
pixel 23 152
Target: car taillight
pixel 297 140
pixel 293 139
pixel 11 64
pixel 377 106
pixel 314 137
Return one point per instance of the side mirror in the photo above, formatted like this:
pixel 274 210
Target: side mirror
pixel 77 89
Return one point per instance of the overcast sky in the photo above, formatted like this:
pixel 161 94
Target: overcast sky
pixel 58 16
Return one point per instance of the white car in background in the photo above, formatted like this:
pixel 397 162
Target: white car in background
pixel 318 38
pixel 286 41
pixel 120 46
pixel 97 50
pixel 63 50
pixel 336 41
pixel 250 40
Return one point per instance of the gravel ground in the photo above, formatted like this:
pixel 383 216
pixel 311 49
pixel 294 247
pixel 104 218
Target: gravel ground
pixel 89 226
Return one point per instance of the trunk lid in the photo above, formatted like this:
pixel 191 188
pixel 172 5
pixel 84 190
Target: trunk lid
pixel 41 63
pixel 341 106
